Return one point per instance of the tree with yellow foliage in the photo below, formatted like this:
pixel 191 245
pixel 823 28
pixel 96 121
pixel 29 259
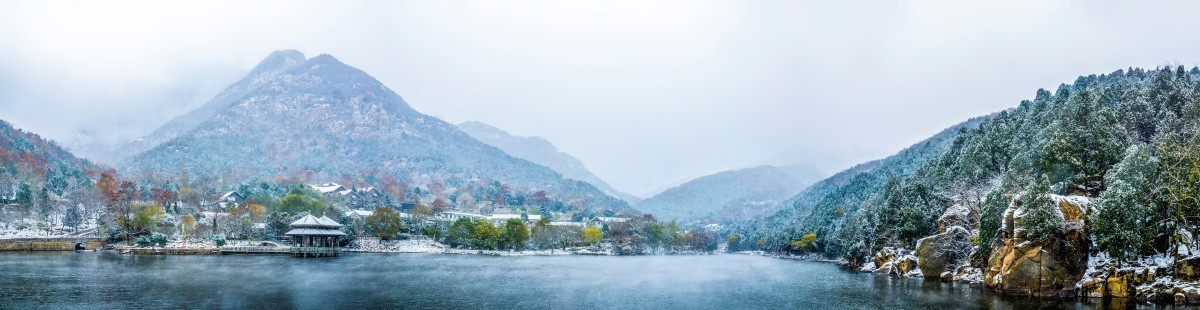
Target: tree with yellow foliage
pixel 148 217
pixel 592 235
pixel 256 211
pixel 186 225
pixel 806 244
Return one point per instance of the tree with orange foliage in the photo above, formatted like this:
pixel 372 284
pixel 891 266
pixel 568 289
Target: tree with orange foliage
pixel 440 205
pixel 165 197
pixel 117 195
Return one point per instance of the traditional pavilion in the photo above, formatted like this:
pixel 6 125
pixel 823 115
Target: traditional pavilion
pixel 315 237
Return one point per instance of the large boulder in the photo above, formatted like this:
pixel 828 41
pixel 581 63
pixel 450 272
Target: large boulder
pixel 945 251
pixel 958 215
pixel 885 255
pixel 1049 268
pixel 902 266
pixel 894 262
pixel 1187 269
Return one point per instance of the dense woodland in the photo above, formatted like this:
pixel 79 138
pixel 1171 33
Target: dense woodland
pixel 1130 140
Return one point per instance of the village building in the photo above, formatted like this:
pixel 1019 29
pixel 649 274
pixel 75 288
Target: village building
pixel 568 224
pixel 361 198
pixel 454 216
pixel 315 237
pixel 499 219
pixel 356 198
pixel 496 219
pixel 230 199
pixel 359 215
pixel 602 221
pixel 327 188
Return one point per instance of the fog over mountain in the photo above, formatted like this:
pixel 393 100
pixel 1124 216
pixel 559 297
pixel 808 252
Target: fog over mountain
pixel 742 193
pixel 540 151
pixel 318 119
pixel 643 93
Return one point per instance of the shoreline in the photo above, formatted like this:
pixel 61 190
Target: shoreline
pixel 1183 293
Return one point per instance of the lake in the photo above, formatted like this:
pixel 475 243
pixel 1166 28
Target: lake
pixel 439 281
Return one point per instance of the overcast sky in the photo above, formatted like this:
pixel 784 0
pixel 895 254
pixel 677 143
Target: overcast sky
pixel 645 93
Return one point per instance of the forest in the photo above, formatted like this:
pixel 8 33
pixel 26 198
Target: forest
pixel 1129 140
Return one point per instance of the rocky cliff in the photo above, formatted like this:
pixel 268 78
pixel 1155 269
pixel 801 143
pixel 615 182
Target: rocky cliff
pixel 1047 268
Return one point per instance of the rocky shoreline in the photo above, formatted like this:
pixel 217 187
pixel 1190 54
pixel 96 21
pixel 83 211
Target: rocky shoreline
pixel 1060 267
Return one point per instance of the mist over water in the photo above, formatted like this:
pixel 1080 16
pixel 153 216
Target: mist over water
pixel 432 281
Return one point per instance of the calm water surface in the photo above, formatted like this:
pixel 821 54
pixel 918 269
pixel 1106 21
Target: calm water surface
pixel 369 281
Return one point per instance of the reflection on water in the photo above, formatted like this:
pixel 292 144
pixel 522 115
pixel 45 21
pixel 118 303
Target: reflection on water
pixel 103 280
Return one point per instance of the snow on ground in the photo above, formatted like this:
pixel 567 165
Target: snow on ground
pixel 29 228
pixel 398 246
pixel 971 275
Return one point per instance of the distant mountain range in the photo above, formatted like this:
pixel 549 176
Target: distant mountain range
pixel 737 193
pixel 320 119
pixel 540 151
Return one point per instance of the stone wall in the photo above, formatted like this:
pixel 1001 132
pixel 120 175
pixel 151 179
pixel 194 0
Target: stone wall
pixel 50 244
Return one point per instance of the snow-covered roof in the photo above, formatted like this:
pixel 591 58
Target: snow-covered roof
pixel 314 232
pixel 608 219
pixel 532 217
pixel 328 222
pixel 327 187
pixel 307 221
pixel 230 194
pixel 210 214
pixel 462 214
pixel 577 224
pixel 361 213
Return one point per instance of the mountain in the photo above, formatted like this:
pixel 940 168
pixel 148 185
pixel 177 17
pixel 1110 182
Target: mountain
pixel 730 193
pixel 540 151
pixel 821 207
pixel 320 119
pixel 28 159
pixel 264 73
pixel 1128 141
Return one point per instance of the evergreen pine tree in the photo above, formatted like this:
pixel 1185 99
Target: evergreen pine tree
pixel 1125 222
pixel 1041 220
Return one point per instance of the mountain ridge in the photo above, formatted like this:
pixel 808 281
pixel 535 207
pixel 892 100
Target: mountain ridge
pixel 540 151
pixel 322 119
pixel 741 191
pixel 274 63
pixel 28 159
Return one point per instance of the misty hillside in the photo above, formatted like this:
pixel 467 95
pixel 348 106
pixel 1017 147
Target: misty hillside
pixel 822 206
pixel 730 192
pixel 262 74
pixel 29 161
pixel 540 151
pixel 319 119
pixel 1130 140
